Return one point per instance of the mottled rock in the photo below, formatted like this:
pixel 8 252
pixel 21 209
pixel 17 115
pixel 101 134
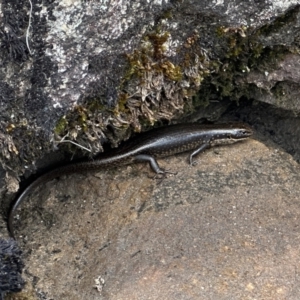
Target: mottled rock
pixel 86 72
pixel 226 228
pixel 11 266
pixel 76 74
pixel 279 87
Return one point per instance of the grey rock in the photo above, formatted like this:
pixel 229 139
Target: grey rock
pixel 11 267
pixel 75 70
pixel 90 72
pixel 279 87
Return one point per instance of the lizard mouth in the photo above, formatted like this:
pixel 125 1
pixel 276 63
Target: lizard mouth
pixel 228 141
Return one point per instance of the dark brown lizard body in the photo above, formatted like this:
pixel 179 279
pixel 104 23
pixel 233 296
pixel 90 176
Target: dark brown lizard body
pixel 146 147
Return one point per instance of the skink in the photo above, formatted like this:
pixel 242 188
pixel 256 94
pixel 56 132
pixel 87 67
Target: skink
pixel 146 147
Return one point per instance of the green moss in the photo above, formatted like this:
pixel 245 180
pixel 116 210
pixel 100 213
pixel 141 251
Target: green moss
pixel 81 117
pixel 61 126
pixel 244 51
pixel 171 71
pixel 94 105
pixel 151 58
pixel 157 40
pixel 30 295
pixel 77 118
pixel 121 107
pixel 167 14
pixel 10 127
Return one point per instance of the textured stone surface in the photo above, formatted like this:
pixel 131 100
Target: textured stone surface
pixel 94 71
pixel 279 87
pixel 224 229
pixel 90 71
pixel 279 125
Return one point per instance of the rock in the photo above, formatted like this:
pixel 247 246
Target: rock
pixel 225 228
pixel 279 87
pixel 11 267
pixel 75 74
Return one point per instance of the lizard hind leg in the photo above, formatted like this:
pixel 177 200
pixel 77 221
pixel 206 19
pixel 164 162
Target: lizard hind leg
pixel 151 160
pixel 153 164
pixel 197 151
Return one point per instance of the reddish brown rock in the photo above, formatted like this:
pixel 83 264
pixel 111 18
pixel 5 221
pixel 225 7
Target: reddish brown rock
pixel 226 228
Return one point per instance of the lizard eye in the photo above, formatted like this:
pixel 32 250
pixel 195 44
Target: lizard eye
pixel 246 132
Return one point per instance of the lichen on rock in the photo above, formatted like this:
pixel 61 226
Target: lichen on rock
pixel 96 71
